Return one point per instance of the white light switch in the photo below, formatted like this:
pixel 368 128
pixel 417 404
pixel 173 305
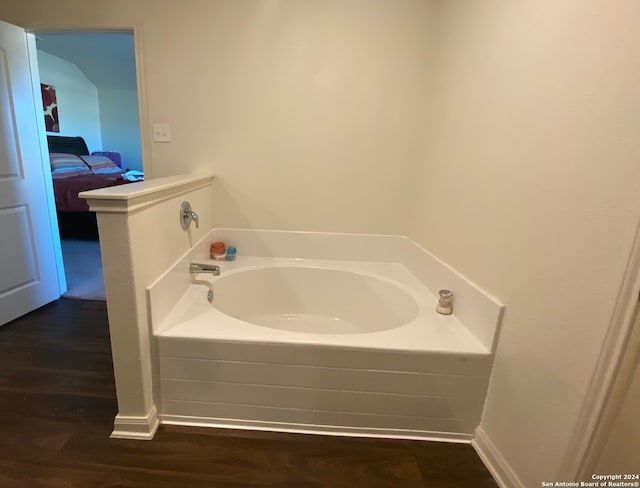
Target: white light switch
pixel 161 133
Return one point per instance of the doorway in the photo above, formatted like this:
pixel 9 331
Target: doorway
pixel 89 87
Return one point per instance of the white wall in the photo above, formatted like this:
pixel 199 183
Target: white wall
pixel 309 113
pixel 529 186
pixel 120 124
pixel 77 99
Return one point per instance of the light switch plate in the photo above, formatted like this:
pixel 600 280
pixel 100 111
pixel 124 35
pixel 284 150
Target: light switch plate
pixel 161 133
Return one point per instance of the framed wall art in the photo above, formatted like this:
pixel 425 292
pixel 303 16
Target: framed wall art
pixel 50 107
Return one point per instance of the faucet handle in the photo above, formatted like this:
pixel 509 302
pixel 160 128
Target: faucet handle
pixel 187 215
pixel 445 302
pixel 445 296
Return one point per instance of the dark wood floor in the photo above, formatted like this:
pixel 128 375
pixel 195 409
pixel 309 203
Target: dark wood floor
pixel 57 403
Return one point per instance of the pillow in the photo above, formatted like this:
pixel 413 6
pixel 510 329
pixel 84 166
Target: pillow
pixel 101 165
pixel 66 165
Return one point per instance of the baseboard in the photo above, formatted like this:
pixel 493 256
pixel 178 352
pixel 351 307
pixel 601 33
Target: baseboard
pixel 494 461
pixel 131 427
pixel 221 423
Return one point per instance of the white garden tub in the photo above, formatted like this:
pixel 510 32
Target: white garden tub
pixel 317 345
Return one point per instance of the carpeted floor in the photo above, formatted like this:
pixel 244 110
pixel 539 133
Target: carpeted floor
pixel 83 269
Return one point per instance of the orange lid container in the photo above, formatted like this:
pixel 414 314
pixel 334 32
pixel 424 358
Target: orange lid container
pixel 218 248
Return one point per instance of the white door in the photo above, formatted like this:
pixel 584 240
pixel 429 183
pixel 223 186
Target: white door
pixel 28 270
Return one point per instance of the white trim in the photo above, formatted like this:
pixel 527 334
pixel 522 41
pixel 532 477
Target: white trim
pixel 144 121
pixel 137 428
pixel 222 423
pixel 579 460
pixel 492 458
pixel 132 198
pixel 616 397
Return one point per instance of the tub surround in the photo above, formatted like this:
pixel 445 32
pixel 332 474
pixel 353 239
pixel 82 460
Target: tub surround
pixel 425 379
pixel 322 390
pixel 478 310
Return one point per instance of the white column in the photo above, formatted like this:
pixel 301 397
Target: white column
pixel 140 237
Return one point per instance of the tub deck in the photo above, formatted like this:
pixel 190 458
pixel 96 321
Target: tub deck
pixel 194 318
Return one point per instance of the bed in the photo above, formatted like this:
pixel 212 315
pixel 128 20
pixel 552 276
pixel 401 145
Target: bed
pixel 74 170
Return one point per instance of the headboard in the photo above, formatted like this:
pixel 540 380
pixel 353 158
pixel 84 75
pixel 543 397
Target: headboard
pixel 67 145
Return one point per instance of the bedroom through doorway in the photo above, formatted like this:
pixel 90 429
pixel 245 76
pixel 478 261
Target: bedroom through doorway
pixel 90 109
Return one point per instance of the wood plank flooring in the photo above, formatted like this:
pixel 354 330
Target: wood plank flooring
pixel 57 404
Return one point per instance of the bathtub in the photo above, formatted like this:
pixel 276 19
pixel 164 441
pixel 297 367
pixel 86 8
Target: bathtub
pixel 310 344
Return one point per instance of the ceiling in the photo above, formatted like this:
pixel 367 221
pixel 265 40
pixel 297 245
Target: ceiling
pixel 107 59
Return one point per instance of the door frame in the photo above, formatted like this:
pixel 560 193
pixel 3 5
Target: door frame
pixel 617 398
pixel 143 113
pixel 613 371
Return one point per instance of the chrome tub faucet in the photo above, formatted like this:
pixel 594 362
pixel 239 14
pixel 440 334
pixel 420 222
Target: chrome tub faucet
pixel 204 268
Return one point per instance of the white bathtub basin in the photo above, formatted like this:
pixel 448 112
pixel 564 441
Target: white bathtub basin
pixel 337 303
pixel 314 300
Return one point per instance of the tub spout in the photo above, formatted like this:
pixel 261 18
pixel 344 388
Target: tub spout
pixel 205 268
